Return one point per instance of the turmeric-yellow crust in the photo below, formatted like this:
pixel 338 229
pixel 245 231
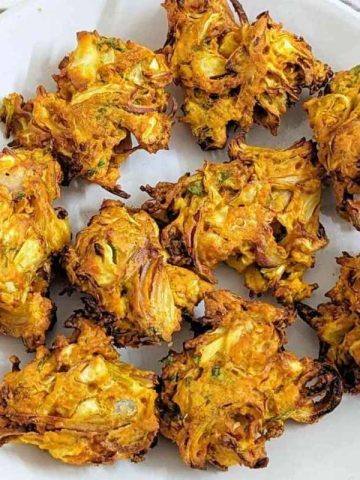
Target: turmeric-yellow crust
pixel 118 260
pixel 235 73
pixel 234 386
pixel 32 231
pixel 258 212
pixel 80 402
pixel 108 89
pixel 335 119
pixel 337 323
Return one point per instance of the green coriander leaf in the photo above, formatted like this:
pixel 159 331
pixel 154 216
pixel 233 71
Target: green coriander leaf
pixel 20 195
pixel 168 360
pixel 197 359
pixel 91 172
pixel 215 371
pixel 224 176
pixel 196 188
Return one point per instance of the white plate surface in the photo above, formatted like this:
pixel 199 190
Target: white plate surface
pixel 34 36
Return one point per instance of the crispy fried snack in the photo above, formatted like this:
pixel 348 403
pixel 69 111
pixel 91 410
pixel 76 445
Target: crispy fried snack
pixel 136 294
pixel 335 119
pixel 79 402
pixel 337 323
pixel 107 90
pixel 235 73
pixel 259 213
pixel 233 387
pixel 31 233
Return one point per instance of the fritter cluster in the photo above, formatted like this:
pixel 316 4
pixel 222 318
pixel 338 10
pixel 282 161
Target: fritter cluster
pixel 337 323
pixel 233 387
pixel 235 73
pixel 258 212
pixel 136 294
pixel 108 89
pixel 79 402
pixel 32 232
pixel 335 119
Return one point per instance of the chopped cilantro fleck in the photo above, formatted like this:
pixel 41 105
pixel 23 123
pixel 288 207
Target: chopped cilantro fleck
pixel 224 176
pixel 168 360
pixel 197 359
pixel 20 195
pixel 196 188
pixel 188 381
pixel 215 371
pixel 41 363
pixel 113 43
pixel 91 172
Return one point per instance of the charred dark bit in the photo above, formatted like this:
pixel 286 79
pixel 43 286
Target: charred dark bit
pixel 15 363
pixel 327 390
pixel 61 213
pixel 99 249
pixel 69 168
pixel 307 313
pixel 117 190
pixel 239 9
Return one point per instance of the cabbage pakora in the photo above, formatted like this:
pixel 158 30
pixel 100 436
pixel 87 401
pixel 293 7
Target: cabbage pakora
pixel 108 89
pixel 32 232
pixel 135 293
pixel 337 323
pixel 258 212
pixel 335 119
pixel 235 73
pixel 233 387
pixel 80 402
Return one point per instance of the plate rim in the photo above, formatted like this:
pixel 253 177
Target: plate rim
pixel 24 4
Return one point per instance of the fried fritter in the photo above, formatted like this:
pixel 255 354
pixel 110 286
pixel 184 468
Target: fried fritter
pixel 235 73
pixel 107 90
pixel 233 387
pixel 335 119
pixel 79 402
pixel 31 233
pixel 136 294
pixel 337 323
pixel 259 213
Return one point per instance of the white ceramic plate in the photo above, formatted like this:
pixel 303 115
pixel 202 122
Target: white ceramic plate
pixel 8 3
pixel 34 36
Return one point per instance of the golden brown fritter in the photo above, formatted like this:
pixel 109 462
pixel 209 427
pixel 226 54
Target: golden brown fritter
pixel 31 233
pixel 233 387
pixel 235 73
pixel 80 402
pixel 107 90
pixel 335 119
pixel 136 294
pixel 337 323
pixel 259 213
